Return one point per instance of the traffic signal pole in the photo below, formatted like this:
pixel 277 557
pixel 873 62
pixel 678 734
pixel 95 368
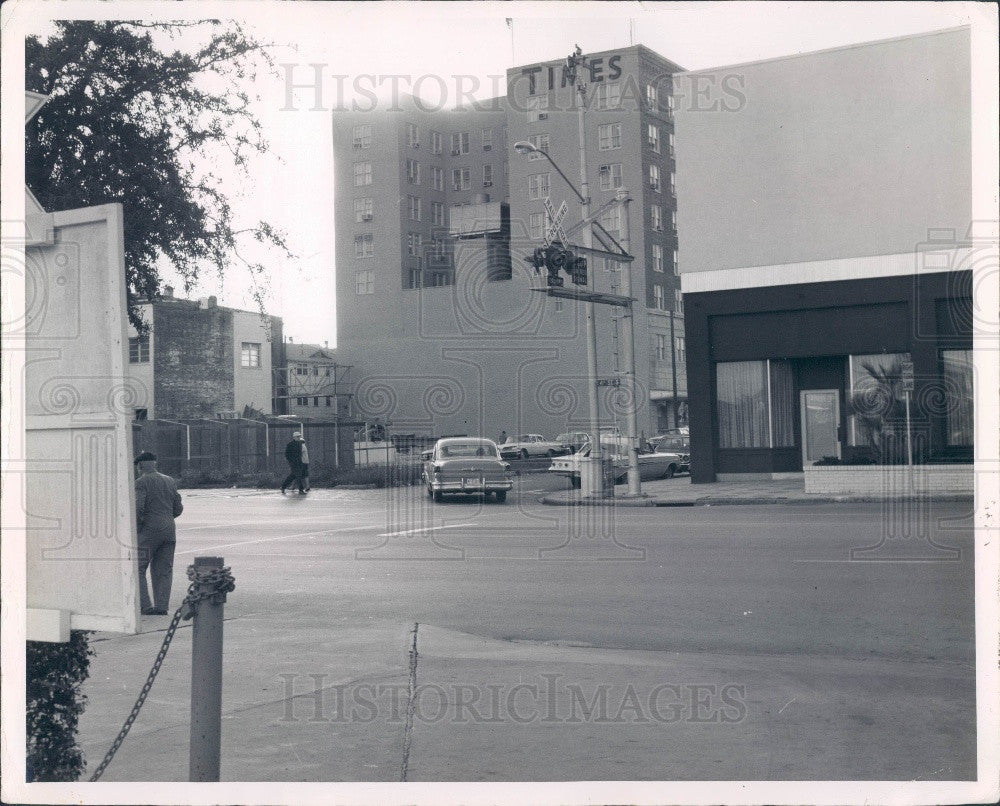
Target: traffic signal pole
pixel 628 337
pixel 596 449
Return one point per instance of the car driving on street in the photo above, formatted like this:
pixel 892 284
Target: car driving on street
pixel 466 465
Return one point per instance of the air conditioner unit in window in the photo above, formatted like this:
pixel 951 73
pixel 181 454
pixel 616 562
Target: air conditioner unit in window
pixel 366 216
pixel 487 148
pixel 357 144
pixel 543 116
pixel 455 152
pixel 487 184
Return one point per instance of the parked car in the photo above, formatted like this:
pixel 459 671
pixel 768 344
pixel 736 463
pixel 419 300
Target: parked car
pixel 670 441
pixel 466 465
pixel 572 441
pixel 653 464
pixel 525 446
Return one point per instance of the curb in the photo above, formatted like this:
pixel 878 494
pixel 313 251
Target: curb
pixel 709 501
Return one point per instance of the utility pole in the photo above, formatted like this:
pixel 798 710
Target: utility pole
pixel 596 451
pixel 628 336
pixel 673 368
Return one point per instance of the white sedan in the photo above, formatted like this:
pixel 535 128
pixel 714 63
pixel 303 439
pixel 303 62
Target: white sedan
pixel 525 446
pixel 652 464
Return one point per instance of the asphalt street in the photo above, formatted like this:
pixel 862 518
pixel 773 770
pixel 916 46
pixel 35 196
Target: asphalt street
pixel 375 635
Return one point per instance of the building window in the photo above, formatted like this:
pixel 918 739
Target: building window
pixel 413 172
pixel 412 135
pixel 487 139
pixel 610 176
pixel 250 355
pixel 459 143
pixel 487 176
pixel 956 366
pixel 414 202
pixel 677 264
pixel 670 106
pixel 673 184
pixel 755 404
pixel 653 137
pixel 363 136
pixel 673 220
pixel 316 402
pixel 538 186
pixel 363 210
pixel 609 136
pixel 670 143
pixel 364 245
pixel 537 225
pixel 138 349
pixel 364 282
pixel 437 177
pixel 329 401
pixel 435 142
pixel 413 244
pixel 437 213
pixel 656 217
pixel 609 95
pixel 460 179
pixel 540 141
pixel 537 107
pixel 362 174
pixel 661 347
pixel 652 97
pixel 680 353
pixel 658 298
pixel 867 394
pixel 657 257
pixel 302 401
pixel 654 177
pixel 678 301
pixel 611 219
pixel 414 278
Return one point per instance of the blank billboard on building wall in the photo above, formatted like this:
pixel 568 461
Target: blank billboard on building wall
pixel 78 482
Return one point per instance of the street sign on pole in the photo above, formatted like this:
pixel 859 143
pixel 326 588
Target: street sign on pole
pixel 907 376
pixel 615 382
pixel 555 230
pixel 907 385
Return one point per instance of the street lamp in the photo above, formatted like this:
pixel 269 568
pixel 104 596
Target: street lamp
pixel 596 485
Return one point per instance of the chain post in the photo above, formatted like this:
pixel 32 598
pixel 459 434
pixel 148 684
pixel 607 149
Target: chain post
pixel 206 671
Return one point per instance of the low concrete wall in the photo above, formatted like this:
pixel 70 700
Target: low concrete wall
pixel 895 480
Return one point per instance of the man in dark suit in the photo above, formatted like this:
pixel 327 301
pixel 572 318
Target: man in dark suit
pixel 296 463
pixel 157 503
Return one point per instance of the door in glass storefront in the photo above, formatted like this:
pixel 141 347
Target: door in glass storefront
pixel 820 416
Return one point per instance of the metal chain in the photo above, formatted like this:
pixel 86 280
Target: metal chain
pixel 213 582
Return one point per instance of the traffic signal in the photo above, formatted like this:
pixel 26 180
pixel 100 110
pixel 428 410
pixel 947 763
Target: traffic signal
pixel 555 261
pixel 538 259
pixel 578 269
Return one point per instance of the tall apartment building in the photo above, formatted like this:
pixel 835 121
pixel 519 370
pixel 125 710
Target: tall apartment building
pixel 829 236
pixel 435 213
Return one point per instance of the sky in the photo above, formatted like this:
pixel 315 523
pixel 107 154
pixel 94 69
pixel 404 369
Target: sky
pixel 292 186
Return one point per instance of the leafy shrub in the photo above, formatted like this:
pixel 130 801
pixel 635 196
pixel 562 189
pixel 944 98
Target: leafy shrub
pixel 55 673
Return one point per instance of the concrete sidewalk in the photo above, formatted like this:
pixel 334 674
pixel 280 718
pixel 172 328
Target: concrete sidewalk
pixel 680 492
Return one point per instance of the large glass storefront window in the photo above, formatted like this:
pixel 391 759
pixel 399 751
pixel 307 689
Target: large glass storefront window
pixel 871 378
pixel 756 404
pixel 956 366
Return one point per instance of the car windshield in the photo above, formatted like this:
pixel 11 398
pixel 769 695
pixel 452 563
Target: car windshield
pixel 460 449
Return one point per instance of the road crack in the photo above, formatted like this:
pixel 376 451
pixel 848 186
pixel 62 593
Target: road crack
pixel 411 704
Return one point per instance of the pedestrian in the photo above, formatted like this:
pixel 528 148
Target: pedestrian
pixel 503 438
pixel 157 503
pixel 293 455
pixel 305 464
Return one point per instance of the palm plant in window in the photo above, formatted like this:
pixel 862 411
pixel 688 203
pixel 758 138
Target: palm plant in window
pixel 878 406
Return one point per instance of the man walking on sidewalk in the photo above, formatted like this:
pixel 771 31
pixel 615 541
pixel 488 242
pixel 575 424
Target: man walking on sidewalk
pixel 157 503
pixel 293 455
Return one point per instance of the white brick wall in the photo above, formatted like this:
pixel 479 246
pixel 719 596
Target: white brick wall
pixel 894 480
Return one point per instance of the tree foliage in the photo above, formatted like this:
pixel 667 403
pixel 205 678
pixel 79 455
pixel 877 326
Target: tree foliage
pixel 127 121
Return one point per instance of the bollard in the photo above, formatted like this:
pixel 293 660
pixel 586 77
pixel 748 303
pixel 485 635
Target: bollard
pixel 206 678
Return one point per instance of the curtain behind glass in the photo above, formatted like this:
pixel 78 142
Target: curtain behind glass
pixel 957 366
pixel 741 392
pixel 783 408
